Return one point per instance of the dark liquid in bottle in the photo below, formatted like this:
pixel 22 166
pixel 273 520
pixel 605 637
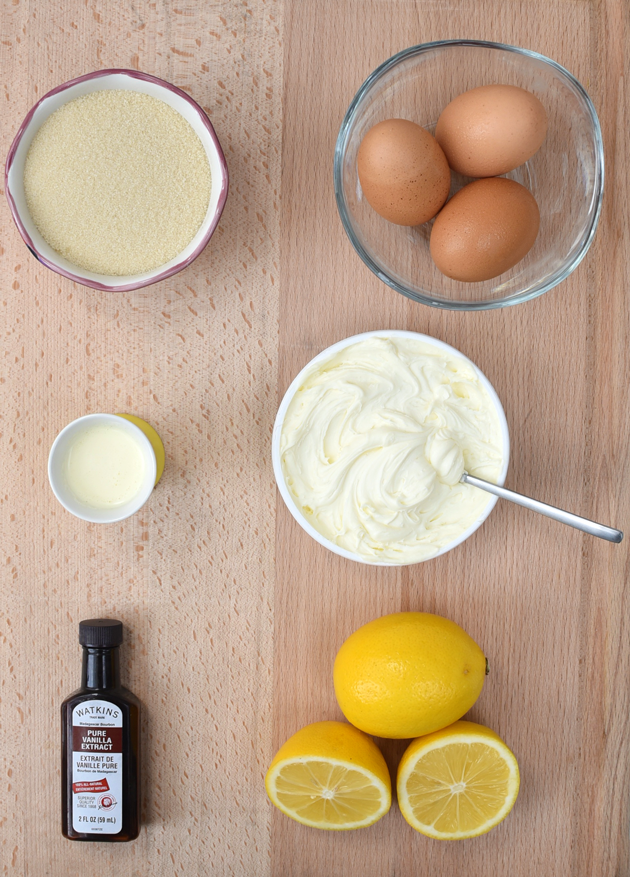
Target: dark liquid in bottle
pixel 100 739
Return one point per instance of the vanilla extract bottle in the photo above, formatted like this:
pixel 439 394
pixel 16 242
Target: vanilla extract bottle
pixel 100 744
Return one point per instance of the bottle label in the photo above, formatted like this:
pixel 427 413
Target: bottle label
pixel 97 766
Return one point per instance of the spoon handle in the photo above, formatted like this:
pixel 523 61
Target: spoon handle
pixel 550 511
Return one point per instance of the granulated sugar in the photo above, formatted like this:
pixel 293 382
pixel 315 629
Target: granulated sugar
pixel 117 182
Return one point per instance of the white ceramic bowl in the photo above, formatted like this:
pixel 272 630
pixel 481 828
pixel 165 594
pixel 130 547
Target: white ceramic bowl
pixel 127 80
pixel 325 355
pixel 65 495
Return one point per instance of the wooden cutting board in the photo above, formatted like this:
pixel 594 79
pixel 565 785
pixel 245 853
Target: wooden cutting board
pixel 233 614
pixel 548 605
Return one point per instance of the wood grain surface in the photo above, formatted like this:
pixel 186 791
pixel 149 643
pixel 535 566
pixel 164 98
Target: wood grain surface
pixel 548 605
pixel 233 614
pixel 192 575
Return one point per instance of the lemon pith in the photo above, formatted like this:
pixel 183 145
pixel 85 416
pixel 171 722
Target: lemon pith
pixel 330 775
pixel 408 674
pixel 458 782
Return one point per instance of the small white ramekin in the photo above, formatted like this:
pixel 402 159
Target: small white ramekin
pixel 127 80
pixel 65 495
pixel 325 355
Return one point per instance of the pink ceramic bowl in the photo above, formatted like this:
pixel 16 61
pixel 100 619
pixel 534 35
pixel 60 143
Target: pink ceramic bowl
pixel 129 80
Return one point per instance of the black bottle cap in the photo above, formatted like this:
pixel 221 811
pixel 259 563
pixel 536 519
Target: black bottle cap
pixel 101 633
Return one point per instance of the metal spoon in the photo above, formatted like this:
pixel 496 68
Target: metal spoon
pixel 550 511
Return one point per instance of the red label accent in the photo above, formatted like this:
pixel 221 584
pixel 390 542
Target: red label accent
pixel 93 786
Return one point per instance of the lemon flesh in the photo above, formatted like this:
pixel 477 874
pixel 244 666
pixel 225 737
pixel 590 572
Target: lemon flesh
pixel 457 783
pixel 331 776
pixel 326 794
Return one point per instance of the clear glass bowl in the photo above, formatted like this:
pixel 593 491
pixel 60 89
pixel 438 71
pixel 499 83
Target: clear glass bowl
pixel 566 176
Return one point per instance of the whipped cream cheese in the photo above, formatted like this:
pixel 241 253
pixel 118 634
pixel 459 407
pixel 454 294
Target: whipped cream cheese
pixel 374 443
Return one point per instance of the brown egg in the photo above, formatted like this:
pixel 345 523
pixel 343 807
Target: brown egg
pixel 491 130
pixel 403 172
pixel 485 229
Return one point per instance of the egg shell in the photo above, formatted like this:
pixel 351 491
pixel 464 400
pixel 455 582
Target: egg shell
pixel 484 230
pixel 403 172
pixel 491 130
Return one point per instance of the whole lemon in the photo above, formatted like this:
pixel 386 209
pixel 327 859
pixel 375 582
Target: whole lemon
pixel 408 674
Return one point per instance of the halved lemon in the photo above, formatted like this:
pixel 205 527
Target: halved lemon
pixel 330 775
pixel 458 782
